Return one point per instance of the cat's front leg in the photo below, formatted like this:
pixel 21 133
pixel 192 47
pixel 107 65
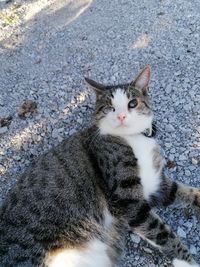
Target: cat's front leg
pixel 160 235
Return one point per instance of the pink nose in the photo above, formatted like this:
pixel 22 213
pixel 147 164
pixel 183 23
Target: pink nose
pixel 121 117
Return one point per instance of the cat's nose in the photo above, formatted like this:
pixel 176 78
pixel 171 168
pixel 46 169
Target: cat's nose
pixel 121 117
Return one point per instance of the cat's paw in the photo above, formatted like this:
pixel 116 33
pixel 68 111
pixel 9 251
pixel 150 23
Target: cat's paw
pixel 180 263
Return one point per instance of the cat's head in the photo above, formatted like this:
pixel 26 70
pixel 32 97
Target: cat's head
pixel 123 109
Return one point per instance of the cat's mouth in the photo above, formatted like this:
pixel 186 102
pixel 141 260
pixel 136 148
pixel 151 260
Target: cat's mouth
pixel 122 125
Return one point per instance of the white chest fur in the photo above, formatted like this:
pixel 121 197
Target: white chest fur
pixel 144 149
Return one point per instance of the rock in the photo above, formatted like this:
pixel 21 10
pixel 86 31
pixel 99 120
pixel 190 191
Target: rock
pixel 80 120
pixel 192 168
pixel 187 173
pixel 55 133
pixel 172 150
pixel 3 130
pixel 182 157
pixel 181 232
pixel 188 225
pixel 1 103
pixel 147 250
pixel 61 130
pixel 169 128
pixel 168 89
pixel 72 131
pixel 177 73
pixel 168 145
pixel 194 161
pixel 135 238
pixel 193 250
pixel 18 158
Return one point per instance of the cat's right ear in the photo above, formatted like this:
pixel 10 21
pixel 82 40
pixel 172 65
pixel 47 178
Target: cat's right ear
pixel 97 87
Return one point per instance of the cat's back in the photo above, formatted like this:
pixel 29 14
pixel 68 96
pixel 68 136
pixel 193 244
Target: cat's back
pixel 51 205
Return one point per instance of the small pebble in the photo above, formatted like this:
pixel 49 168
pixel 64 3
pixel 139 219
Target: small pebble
pixel 193 250
pixel 55 133
pixel 135 238
pixel 169 128
pixel 194 161
pixel 3 130
pixel 181 232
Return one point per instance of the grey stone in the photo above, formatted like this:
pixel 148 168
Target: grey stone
pixel 188 225
pixel 1 102
pixel 194 161
pixel 80 120
pixel 169 128
pixel 55 133
pixel 177 73
pixel 168 145
pixel 173 150
pixel 181 232
pixel 3 130
pixel 135 238
pixel 187 173
pixel 72 131
pixel 182 157
pixel 168 89
pixel 192 168
pixel 147 250
pixel 18 158
pixel 193 250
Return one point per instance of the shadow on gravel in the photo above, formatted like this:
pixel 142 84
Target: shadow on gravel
pixel 42 21
pixel 23 138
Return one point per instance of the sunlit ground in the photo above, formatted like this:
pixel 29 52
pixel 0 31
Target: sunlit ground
pixel 15 19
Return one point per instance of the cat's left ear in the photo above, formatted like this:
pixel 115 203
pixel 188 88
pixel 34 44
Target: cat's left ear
pixel 97 87
pixel 141 82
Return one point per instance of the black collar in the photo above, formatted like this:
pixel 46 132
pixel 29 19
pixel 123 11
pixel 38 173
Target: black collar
pixel 150 132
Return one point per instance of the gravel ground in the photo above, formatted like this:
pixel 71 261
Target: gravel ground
pixel 48 46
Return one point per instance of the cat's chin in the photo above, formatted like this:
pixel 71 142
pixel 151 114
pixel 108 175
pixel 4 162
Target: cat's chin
pixel 124 130
pixel 121 130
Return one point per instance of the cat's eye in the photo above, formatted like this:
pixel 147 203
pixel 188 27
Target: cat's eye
pixel 133 103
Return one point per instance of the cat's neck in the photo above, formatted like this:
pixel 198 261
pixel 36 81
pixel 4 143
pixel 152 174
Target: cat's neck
pixel 148 132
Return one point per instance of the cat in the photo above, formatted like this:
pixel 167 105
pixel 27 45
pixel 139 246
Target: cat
pixel 73 206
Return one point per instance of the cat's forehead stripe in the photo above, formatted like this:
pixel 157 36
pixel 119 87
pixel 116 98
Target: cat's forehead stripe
pixel 119 99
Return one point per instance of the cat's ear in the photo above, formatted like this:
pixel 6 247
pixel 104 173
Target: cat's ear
pixel 141 82
pixel 97 87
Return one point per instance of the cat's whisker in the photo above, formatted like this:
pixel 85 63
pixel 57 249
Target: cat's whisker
pixel 159 129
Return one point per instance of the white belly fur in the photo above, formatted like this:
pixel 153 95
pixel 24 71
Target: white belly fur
pixel 143 149
pixel 93 255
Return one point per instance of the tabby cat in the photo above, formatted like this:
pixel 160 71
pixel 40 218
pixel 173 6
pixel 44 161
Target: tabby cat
pixel 73 207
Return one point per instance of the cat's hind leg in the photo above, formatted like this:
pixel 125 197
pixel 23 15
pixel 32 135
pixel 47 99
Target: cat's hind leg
pixel 172 191
pixel 161 236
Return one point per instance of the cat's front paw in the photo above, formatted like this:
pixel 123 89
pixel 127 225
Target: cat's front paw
pixel 180 263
